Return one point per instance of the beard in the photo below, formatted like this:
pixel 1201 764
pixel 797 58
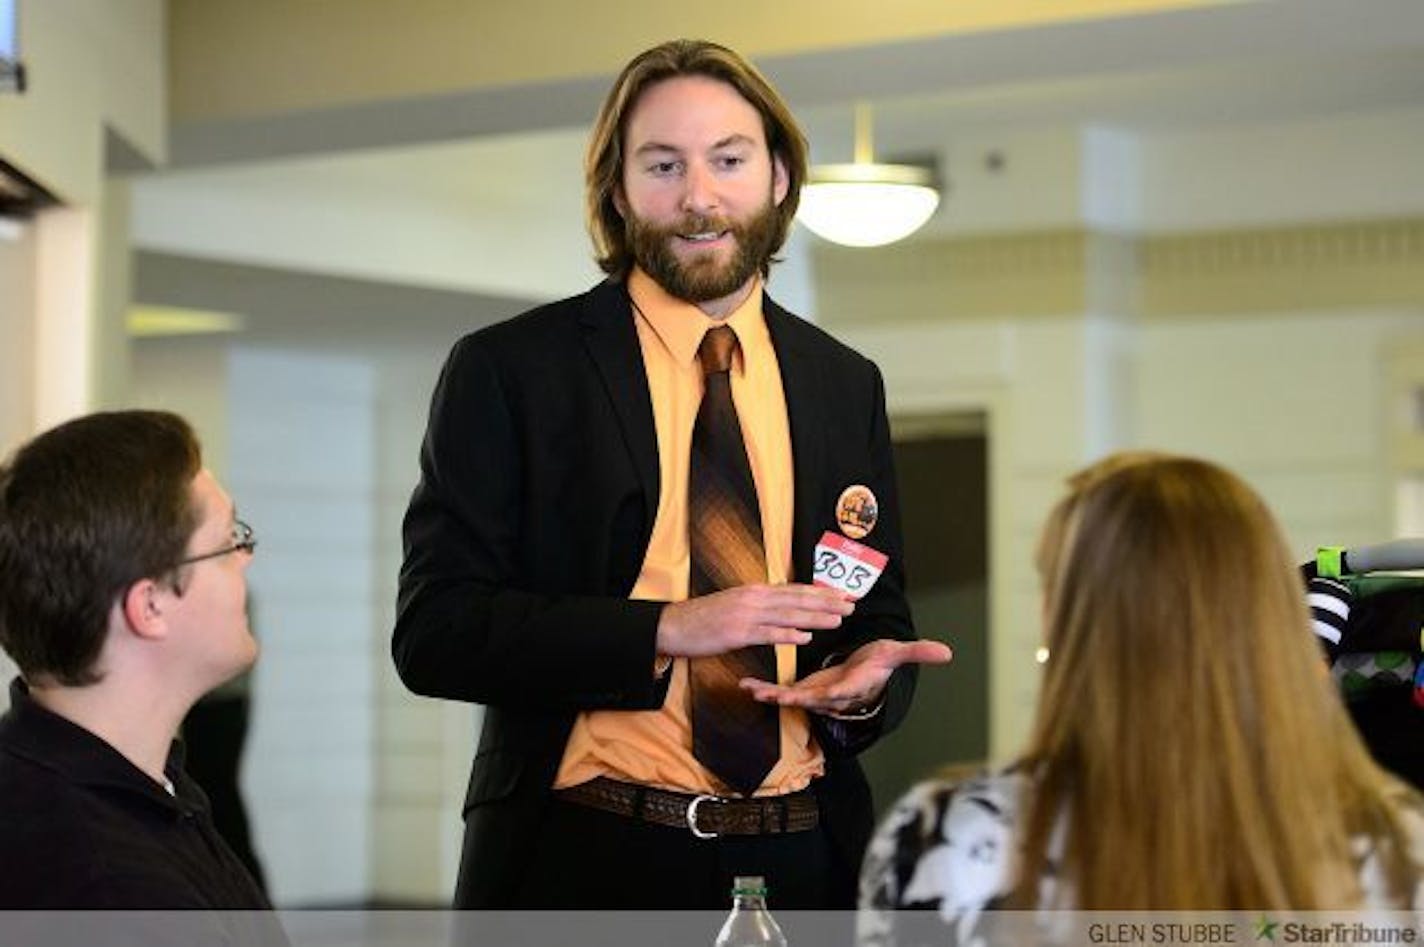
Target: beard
pixel 701 278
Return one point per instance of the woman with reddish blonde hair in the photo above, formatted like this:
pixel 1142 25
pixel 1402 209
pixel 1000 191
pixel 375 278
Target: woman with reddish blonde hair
pixel 1188 753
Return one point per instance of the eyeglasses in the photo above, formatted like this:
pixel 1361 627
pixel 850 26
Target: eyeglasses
pixel 243 540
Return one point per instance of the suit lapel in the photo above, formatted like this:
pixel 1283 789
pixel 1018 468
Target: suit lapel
pixel 805 408
pixel 612 341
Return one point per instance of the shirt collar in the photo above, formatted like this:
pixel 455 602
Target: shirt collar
pixel 680 325
pixel 49 740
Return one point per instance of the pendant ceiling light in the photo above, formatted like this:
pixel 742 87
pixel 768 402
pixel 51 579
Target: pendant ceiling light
pixel 867 204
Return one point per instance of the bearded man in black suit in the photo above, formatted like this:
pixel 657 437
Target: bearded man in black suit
pixel 656 535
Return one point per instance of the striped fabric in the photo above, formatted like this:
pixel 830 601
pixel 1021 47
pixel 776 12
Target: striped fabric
pixel 734 736
pixel 1329 601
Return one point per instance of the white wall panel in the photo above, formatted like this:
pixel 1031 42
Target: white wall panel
pixel 302 441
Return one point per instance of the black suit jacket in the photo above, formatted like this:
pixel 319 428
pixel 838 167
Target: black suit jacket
pixel 539 486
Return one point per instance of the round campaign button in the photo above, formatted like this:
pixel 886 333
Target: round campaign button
pixel 857 511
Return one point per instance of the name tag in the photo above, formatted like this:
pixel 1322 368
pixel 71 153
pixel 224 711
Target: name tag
pixel 847 565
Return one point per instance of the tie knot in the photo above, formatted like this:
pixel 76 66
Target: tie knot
pixel 715 352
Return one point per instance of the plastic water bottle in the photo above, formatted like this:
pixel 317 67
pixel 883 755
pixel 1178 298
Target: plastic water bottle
pixel 750 924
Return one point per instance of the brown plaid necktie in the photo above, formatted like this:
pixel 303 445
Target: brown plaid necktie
pixel 733 735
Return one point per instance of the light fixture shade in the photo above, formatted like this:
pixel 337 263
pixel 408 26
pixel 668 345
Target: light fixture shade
pixel 867 204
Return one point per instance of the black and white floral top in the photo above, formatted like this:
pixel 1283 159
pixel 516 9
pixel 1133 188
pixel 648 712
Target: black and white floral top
pixel 948 852
pixel 946 849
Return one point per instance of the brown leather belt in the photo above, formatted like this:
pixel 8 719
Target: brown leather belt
pixel 704 816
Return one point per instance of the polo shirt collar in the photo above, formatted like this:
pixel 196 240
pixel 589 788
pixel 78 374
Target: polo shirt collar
pixel 43 737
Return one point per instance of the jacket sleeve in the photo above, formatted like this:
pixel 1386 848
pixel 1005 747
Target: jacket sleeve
pixel 466 628
pixel 884 612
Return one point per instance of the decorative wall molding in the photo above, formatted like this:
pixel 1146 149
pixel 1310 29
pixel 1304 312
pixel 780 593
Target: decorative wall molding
pixel 1317 266
pixel 1022 274
pixel 1073 272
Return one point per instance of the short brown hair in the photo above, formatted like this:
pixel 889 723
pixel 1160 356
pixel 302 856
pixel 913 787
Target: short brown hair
pixel 86 510
pixel 603 166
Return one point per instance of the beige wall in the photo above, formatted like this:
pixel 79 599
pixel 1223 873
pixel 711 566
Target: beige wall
pixel 188 376
pixel 91 64
pixel 17 302
pixel 109 384
pixel 1247 367
pixel 96 67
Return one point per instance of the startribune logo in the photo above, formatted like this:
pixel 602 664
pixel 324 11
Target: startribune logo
pixel 1334 932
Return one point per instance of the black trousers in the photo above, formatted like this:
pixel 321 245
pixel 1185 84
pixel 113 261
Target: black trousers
pixel 587 859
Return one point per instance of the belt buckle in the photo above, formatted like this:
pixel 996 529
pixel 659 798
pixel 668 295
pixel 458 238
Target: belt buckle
pixel 692 815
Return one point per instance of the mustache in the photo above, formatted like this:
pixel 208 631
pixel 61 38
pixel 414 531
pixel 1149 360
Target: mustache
pixel 698 223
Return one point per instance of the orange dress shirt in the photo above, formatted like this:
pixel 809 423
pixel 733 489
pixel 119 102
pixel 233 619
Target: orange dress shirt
pixel 654 747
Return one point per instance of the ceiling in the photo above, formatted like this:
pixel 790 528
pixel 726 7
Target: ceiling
pixel 1262 60
pixel 517 149
pixel 1230 61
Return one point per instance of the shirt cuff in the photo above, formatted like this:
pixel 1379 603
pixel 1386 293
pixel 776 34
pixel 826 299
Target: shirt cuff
pixel 864 713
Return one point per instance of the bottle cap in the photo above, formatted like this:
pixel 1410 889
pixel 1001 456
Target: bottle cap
pixel 749 885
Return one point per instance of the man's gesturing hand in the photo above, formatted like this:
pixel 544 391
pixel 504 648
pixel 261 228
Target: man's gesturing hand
pixel 854 684
pixel 748 615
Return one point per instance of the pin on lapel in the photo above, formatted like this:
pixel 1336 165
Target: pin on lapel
pixel 857 511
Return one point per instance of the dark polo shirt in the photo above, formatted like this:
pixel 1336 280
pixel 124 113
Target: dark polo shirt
pixel 82 827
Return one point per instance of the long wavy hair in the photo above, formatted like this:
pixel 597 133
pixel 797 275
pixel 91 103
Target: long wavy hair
pixel 1186 730
pixel 603 164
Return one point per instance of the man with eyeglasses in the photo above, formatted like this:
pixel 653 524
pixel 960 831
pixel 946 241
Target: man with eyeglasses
pixel 122 601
